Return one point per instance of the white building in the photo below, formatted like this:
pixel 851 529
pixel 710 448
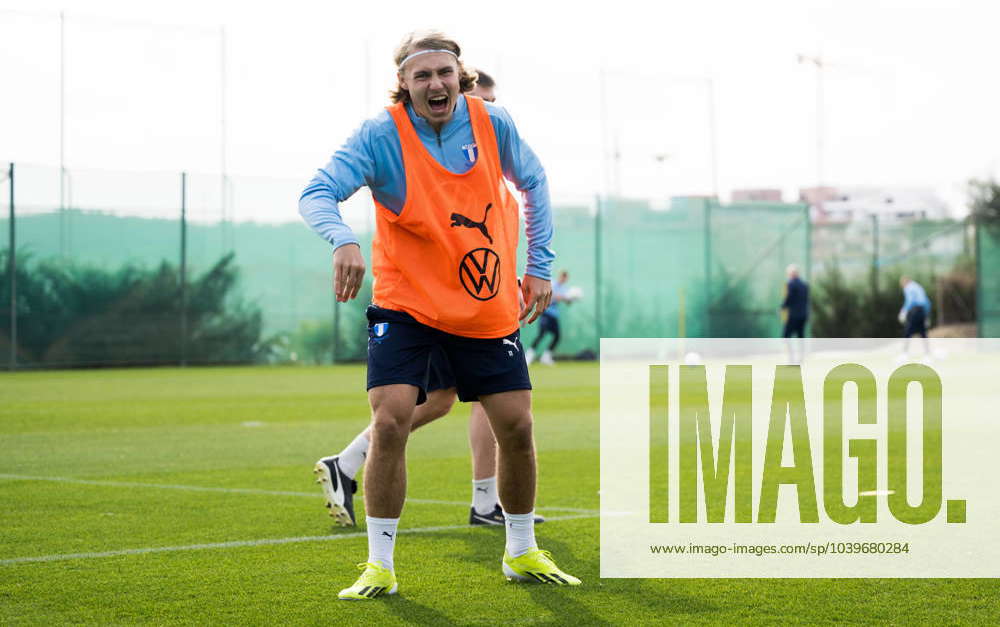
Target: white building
pixel 861 202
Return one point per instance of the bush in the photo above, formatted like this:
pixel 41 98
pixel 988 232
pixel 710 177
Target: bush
pixel 842 308
pixel 958 290
pixel 732 313
pixel 76 315
pixel 984 202
pixel 835 305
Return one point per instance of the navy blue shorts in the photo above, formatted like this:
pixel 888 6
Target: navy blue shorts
pixel 402 350
pixel 916 321
pixel 548 323
pixel 439 374
pixel 794 326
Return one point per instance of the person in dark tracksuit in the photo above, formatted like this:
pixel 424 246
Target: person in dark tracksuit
pixel 796 309
pixel 796 304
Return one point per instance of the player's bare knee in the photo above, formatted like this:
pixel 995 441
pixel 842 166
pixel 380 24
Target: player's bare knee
pixel 516 434
pixel 442 404
pixel 390 427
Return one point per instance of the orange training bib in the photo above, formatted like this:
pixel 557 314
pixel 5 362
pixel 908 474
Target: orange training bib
pixel 449 258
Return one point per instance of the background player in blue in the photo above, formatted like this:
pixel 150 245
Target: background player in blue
pixel 548 324
pixel 915 311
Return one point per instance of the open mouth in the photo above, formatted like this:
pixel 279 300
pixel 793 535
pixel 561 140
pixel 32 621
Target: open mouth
pixel 438 104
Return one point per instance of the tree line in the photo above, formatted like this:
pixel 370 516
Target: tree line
pixel 76 315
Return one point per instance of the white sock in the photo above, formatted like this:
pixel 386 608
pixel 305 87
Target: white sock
pixel 352 458
pixel 381 540
pixel 520 533
pixel 484 495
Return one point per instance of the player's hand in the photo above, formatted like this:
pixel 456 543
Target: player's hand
pixel 537 294
pixel 348 272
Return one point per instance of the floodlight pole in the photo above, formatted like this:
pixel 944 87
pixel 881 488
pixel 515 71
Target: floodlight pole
pixel 662 158
pixel 819 63
pixel 713 126
pixel 713 135
pixel 613 180
pixel 605 133
pixel 62 134
pixel 820 124
pixel 367 103
pixel 223 138
pixel 598 216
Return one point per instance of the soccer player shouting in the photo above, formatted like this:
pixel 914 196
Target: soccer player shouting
pixel 336 473
pixel 443 261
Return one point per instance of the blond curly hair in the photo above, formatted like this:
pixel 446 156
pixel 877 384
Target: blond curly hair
pixel 429 40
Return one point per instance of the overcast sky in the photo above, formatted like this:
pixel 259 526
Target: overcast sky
pixel 910 90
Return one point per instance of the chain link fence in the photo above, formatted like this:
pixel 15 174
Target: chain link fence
pixel 115 268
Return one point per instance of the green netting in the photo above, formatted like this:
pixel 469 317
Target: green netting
pixel 924 248
pixel 858 264
pixel 698 269
pixel 694 269
pixel 574 243
pixel 752 245
pixel 99 279
pixel 988 273
pixel 652 260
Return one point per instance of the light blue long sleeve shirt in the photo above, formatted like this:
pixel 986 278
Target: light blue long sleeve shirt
pixel 373 157
pixel 914 295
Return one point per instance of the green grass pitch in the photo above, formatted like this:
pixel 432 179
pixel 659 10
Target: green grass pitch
pixel 140 475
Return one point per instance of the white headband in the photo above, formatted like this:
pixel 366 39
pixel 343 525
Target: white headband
pixel 420 52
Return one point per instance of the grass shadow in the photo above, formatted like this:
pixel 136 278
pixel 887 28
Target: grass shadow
pixel 580 605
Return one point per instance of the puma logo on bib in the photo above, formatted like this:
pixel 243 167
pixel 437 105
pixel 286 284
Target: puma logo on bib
pixel 458 219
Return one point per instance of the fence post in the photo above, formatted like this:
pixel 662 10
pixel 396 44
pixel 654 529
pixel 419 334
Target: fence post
pixel 598 307
pixel 977 230
pixel 12 273
pixel 183 271
pixel 809 241
pixel 875 268
pixel 707 239
pixel 807 210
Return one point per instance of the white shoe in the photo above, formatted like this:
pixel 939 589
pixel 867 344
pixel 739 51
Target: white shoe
pixel 338 488
pixel 547 359
pixel 529 356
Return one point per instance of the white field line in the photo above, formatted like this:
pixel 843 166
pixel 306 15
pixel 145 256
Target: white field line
pixel 196 488
pixel 240 543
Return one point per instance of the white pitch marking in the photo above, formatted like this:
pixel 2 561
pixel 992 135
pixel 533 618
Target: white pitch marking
pixel 198 488
pixel 877 493
pixel 129 484
pixel 237 544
